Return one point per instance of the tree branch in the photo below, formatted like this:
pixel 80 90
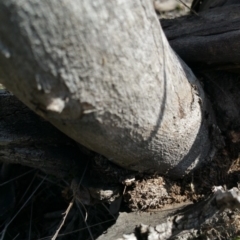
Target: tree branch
pixel 208 39
pixel 29 140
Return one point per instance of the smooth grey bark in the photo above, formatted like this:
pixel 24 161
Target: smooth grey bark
pixel 104 74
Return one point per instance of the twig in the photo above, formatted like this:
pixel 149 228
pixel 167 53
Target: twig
pixel 17 177
pixel 54 182
pixel 86 215
pixel 64 218
pixel 26 190
pixel 16 236
pixel 88 228
pixel 6 226
pixel 85 169
pixel 109 211
pixel 190 9
pixel 78 230
pixel 30 225
pixel 195 4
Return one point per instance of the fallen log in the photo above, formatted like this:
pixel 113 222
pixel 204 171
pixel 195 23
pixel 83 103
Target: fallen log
pixel 216 212
pixel 209 40
pixel 29 140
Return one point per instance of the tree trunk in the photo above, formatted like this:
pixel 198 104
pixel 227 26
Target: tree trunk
pixel 104 74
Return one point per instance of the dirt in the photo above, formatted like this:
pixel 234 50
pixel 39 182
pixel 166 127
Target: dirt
pixel 159 192
pixel 40 212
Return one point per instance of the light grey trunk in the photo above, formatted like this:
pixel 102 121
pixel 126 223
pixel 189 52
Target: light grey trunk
pixel 104 74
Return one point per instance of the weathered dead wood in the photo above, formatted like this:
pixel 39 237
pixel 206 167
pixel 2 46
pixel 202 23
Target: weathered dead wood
pixel 29 140
pixel 212 38
pixel 181 223
pixel 127 222
pixel 223 89
pixel 203 5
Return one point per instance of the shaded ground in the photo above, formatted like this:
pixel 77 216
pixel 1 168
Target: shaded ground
pixel 42 211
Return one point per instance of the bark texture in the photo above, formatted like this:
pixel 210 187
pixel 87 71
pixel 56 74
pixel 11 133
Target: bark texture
pixel 209 40
pixel 203 5
pixel 104 74
pixel 27 139
pixel 183 222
